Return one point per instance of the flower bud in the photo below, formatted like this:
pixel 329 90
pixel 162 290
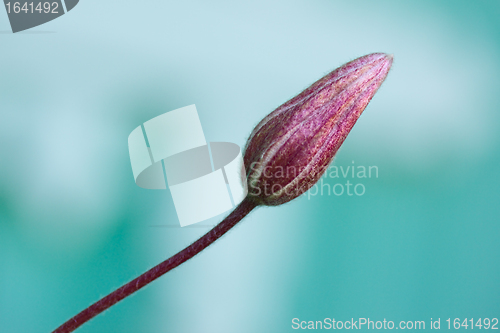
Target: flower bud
pixel 291 148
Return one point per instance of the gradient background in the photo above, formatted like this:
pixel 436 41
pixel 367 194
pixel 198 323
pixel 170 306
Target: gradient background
pixel 422 242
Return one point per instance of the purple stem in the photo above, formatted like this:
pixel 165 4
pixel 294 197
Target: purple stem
pixel 230 221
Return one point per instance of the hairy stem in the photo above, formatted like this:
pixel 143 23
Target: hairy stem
pixel 230 221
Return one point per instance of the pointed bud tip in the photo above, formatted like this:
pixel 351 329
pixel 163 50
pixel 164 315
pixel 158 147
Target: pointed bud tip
pixel 390 58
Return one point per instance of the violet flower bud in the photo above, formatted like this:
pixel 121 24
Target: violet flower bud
pixel 291 148
pixel 285 155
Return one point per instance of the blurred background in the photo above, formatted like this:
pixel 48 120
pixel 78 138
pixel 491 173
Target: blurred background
pixel 421 243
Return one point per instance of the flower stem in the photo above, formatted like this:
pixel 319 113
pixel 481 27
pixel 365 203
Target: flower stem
pixel 230 221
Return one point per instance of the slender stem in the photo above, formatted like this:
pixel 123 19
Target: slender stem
pixel 237 215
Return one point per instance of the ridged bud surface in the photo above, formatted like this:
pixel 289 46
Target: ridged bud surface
pixel 291 148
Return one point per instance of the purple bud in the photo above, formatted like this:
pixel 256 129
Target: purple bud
pixel 291 148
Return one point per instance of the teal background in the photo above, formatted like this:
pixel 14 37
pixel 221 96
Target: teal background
pixel 422 242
